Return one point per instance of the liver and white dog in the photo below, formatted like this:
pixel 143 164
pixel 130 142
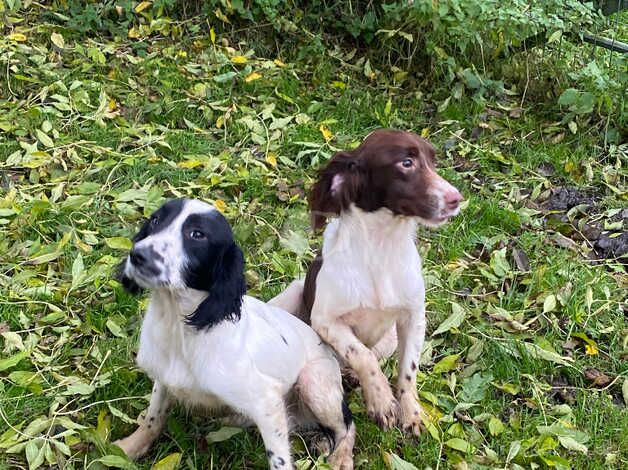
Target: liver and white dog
pixel 206 344
pixel 367 284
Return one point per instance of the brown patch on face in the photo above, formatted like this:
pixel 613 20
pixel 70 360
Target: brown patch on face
pixel 391 169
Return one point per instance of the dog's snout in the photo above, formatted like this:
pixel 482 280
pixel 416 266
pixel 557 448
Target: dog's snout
pixel 453 199
pixel 139 256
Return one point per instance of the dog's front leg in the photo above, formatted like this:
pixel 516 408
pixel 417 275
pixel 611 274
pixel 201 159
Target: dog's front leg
pixel 381 405
pixel 271 419
pixel 411 334
pixel 150 426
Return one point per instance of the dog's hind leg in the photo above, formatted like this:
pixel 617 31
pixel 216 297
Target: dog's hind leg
pixel 150 426
pixel 320 388
pixel 291 300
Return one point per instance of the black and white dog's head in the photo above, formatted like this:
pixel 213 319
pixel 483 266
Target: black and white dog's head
pixel 188 244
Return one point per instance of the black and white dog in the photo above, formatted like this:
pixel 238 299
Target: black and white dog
pixel 206 344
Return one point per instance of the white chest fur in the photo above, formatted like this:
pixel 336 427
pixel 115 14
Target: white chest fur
pixel 372 270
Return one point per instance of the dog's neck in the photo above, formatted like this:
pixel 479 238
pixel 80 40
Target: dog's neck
pixel 182 302
pixel 374 229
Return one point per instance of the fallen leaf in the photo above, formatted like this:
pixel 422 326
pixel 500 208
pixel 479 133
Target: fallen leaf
pixel 252 76
pixel 171 462
pixel 224 433
pixel 239 59
pixel 599 379
pixel 453 321
pixel 142 6
pixel 18 37
pixel 57 40
pixel 327 134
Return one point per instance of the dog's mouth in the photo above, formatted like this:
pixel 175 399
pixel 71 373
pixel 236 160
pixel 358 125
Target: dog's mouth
pixel 145 276
pixel 438 220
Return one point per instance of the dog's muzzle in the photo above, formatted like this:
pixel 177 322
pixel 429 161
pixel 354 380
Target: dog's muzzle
pixel 144 260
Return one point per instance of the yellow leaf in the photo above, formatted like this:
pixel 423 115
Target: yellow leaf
pixel 326 132
pixel 239 59
pixel 271 159
pixel 425 132
pixel 191 163
pixel 252 76
pixel 220 122
pixel 221 16
pixel 19 37
pixel 170 462
pixel 220 205
pixel 134 33
pixel 338 84
pixel 142 6
pixel 112 104
pixel 591 349
pixel 212 35
pixel 278 63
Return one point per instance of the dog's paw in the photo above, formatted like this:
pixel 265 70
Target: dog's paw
pixel 133 447
pixel 411 417
pixel 384 410
pixel 341 461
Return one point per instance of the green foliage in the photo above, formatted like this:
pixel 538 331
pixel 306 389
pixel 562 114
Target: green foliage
pixel 525 360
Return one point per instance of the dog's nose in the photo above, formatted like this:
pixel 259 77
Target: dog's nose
pixel 138 256
pixel 452 199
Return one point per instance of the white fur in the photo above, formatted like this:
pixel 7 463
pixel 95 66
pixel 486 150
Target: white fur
pixel 369 287
pixel 251 365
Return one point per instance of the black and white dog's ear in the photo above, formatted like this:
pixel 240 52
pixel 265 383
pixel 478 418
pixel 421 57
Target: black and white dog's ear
pixel 129 284
pixel 225 293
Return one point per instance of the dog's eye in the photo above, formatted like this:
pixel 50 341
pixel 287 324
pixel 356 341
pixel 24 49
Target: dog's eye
pixel 407 163
pixel 197 235
pixel 154 220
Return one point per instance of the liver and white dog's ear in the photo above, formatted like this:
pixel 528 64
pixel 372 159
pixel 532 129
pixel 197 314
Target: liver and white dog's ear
pixel 338 185
pixel 226 286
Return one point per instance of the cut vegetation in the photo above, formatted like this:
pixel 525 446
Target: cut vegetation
pixel 526 365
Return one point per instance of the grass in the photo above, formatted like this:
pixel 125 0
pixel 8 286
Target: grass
pixel 137 129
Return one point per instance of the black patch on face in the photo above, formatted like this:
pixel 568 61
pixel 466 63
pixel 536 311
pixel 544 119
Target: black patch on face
pixel 215 265
pixel 160 219
pixel 156 223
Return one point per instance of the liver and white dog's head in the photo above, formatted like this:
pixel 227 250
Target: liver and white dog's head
pixel 391 169
pixel 188 244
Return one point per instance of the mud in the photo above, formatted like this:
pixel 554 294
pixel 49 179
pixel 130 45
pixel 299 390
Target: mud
pixel 606 244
